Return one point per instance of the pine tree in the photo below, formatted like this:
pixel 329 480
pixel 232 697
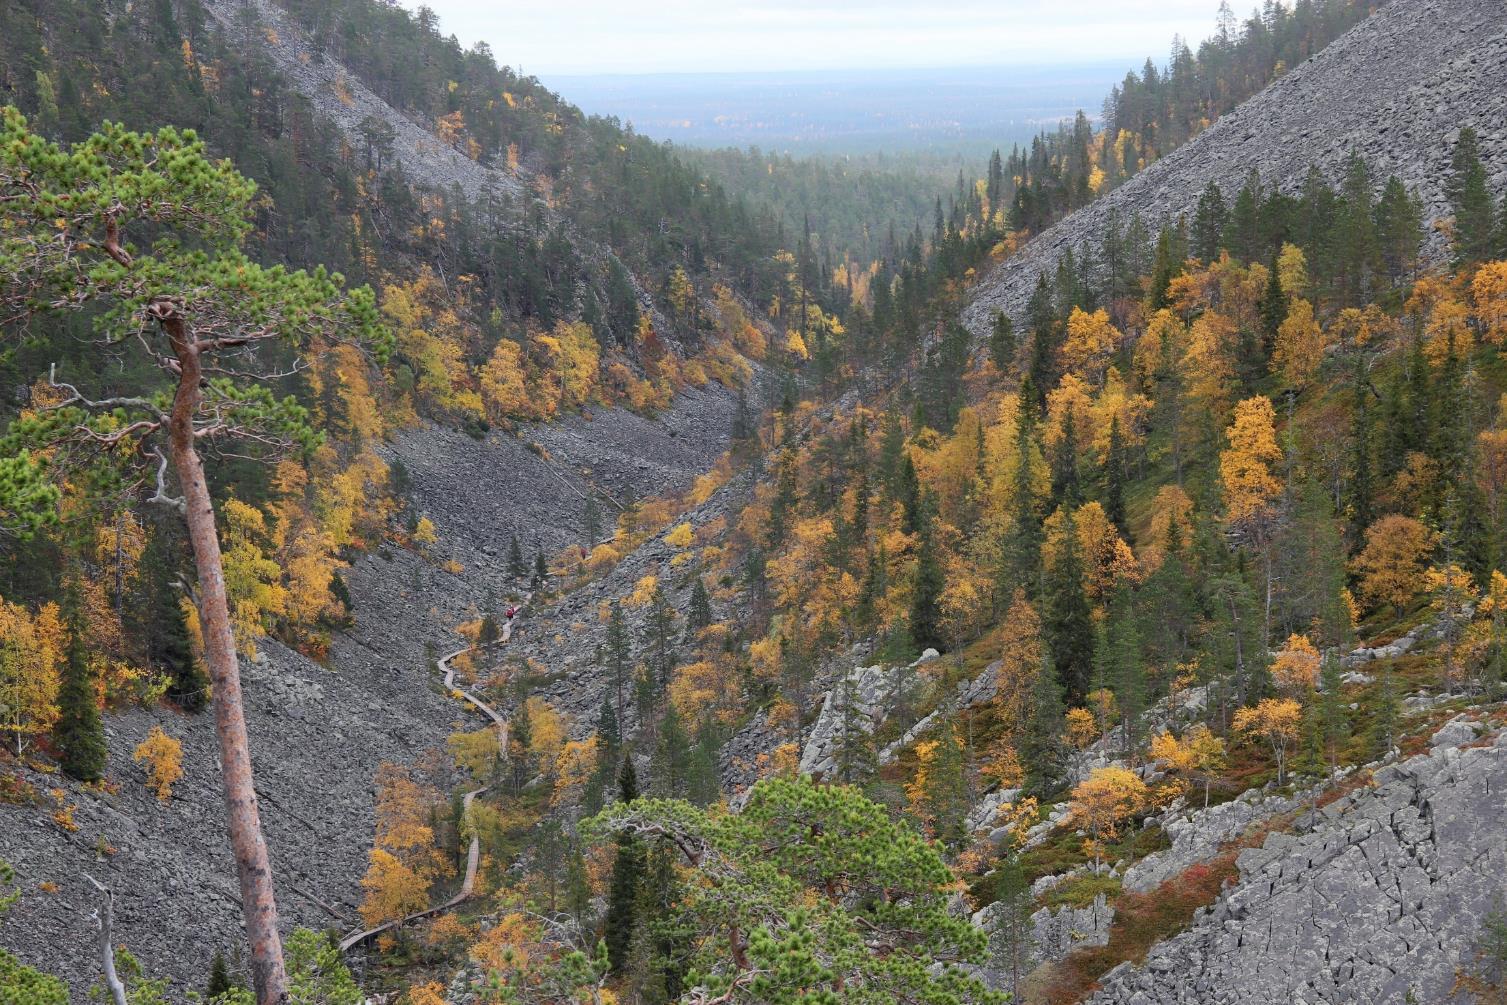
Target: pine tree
pixel 541 572
pixel 622 919
pixel 1012 934
pixel 79 734
pixel 1470 198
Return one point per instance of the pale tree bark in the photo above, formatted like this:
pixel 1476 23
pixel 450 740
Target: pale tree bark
pixel 105 919
pixel 253 867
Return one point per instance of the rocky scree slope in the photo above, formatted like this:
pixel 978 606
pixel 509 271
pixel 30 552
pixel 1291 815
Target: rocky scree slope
pixel 1396 89
pixel 317 736
pixel 1381 902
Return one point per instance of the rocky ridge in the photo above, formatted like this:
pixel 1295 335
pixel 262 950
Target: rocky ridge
pixel 1396 88
pixel 1382 901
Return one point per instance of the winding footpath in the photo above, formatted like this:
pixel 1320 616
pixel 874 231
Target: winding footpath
pixel 473 855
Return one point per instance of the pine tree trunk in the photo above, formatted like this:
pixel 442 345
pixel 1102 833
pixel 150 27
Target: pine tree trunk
pixel 258 906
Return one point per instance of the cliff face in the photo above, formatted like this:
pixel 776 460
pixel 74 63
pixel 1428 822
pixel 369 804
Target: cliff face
pixel 1382 901
pixel 1396 88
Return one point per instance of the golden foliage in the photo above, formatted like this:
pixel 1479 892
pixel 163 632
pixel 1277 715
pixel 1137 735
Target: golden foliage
pixel 31 657
pixel 163 757
pixel 1246 467
pixel 1391 564
pixel 1296 668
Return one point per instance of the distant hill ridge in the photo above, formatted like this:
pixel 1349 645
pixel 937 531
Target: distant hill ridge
pixel 1396 88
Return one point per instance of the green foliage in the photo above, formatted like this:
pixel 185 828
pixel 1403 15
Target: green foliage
pixel 79 733
pixel 66 243
pixel 866 880
pixel 22 985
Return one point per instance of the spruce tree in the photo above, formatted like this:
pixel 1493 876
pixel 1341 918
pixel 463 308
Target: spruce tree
pixel 1272 309
pixel 1356 244
pixel 1002 342
pixel 1386 714
pixel 1042 316
pixel 219 978
pixel 1208 224
pixel 616 655
pixel 1042 752
pixel 591 521
pixel 170 648
pixel 79 734
pixel 1068 622
pixel 541 572
pixel 1334 716
pixel 926 594
pixel 622 921
pixel 1399 230
pixel 516 568
pixel 1114 478
pixel 1470 199
pixel 1127 673
pixel 700 614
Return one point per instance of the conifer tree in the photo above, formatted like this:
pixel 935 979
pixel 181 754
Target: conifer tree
pixel 79 734
pixel 1272 309
pixel 1470 199
pixel 616 654
pixel 171 649
pixel 1209 221
pixel 591 520
pixel 541 572
pixel 926 593
pixel 1399 230
pixel 1042 751
pixel 700 614
pixel 1012 934
pixel 622 920
pixel 219 977
pixel 1042 316
pixel 1068 622
pixel 1126 672
pixel 1114 478
pixel 516 567
pixel 1002 342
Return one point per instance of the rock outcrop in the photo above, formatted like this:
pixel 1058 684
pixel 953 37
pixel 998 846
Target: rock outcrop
pixel 1396 88
pixel 1381 902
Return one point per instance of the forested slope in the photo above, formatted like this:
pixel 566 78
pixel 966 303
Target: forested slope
pixel 1395 89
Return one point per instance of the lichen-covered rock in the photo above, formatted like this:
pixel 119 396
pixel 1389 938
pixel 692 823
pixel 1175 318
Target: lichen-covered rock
pixel 1380 903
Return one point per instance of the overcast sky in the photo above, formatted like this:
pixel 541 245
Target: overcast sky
pixel 659 36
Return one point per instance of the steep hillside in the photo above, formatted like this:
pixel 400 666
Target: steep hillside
pixel 1380 901
pixel 1395 88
